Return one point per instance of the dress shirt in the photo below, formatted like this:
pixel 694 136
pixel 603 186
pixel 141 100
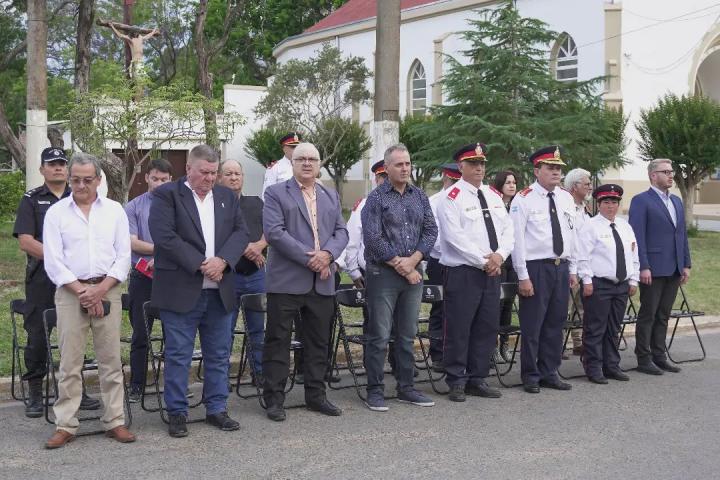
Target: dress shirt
pixel 596 250
pixel 354 253
pixel 280 172
pixel 310 196
pixel 581 216
pixel 463 232
pixel 434 200
pixel 533 231
pixel 396 224
pixel 665 197
pixel 79 248
pixel 138 211
pixel 206 210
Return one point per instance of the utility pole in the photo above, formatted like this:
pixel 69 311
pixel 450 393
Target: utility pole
pixel 36 113
pixel 386 127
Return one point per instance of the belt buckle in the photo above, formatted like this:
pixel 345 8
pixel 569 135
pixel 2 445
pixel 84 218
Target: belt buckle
pixel 557 262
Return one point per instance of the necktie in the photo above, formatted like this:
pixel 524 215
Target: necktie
pixel 555 223
pixel 620 267
pixel 492 236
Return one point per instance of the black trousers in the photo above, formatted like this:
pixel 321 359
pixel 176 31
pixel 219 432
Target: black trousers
pixel 604 311
pixel 656 301
pixel 39 296
pixel 507 275
pixel 435 326
pixel 472 307
pixel 317 313
pixel 139 290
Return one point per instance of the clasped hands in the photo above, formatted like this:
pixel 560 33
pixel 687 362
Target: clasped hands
pixel 91 299
pixel 213 268
pixel 405 266
pixel 319 262
pixel 254 253
pixel 493 265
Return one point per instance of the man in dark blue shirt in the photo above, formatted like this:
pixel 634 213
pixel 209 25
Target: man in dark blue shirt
pixel 398 231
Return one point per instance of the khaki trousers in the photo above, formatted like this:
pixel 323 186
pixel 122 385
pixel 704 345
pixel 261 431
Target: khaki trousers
pixel 72 327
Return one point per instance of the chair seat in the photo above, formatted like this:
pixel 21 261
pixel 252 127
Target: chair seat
pixel 429 337
pixel 686 313
pixel 509 329
pixel 295 345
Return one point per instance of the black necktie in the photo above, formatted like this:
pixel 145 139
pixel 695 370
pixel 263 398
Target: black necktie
pixel 556 232
pixel 620 268
pixel 492 236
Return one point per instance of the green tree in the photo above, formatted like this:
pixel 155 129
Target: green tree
pixel 686 130
pixel 263 145
pixel 423 137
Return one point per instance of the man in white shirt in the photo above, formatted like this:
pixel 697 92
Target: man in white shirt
pixel 86 244
pixel 609 267
pixel 476 237
pixel 544 259
pixel 281 170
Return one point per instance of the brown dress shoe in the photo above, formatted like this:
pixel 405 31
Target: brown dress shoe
pixel 121 434
pixel 59 439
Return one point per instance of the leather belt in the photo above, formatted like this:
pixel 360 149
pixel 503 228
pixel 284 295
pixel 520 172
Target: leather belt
pixel 93 280
pixel 553 261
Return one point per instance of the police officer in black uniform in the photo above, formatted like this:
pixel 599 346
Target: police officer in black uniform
pixel 39 290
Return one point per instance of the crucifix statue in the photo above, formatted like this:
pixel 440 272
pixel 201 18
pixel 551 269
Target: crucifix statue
pixel 135 38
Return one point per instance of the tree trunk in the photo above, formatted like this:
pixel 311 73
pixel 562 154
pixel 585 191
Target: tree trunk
pixel 86 12
pixel 687 188
pixel 205 81
pixel 16 148
pixel 339 183
pixel 114 168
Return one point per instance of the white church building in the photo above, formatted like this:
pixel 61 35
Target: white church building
pixel 647 47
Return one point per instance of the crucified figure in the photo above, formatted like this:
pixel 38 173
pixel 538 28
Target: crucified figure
pixel 135 41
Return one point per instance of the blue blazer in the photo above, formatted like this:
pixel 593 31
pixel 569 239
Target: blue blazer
pixel 662 246
pixel 180 246
pixel 286 223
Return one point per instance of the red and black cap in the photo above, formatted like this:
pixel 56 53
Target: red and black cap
pixel 291 139
pixel 609 190
pixel 52 154
pixel 378 168
pixel 473 152
pixel 452 171
pixel 549 155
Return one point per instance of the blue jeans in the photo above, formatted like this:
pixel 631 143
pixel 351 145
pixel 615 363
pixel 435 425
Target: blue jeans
pixel 245 285
pixel 209 317
pixel 388 296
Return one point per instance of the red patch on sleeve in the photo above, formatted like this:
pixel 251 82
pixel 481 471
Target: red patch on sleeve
pixel 496 191
pixel 452 194
pixel 525 192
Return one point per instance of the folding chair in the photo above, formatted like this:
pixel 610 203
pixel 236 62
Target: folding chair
pixel 508 290
pixel 156 353
pixel 17 310
pixel 630 318
pixel 239 331
pixel 574 322
pixel 50 326
pixel 353 299
pixel 685 312
pixel 257 302
pixel 431 294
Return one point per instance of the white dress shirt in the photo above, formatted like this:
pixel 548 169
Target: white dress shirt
pixel 530 214
pixel 434 200
pixel 665 197
pixel 353 257
pixel 79 248
pixel 596 250
pixel 206 210
pixel 461 221
pixel 280 172
pixel 581 217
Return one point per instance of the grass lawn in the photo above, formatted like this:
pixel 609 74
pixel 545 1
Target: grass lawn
pixel 702 289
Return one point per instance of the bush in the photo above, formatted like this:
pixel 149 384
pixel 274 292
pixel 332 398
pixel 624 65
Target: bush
pixel 263 145
pixel 12 188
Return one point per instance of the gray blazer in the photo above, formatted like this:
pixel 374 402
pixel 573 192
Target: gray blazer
pixel 287 228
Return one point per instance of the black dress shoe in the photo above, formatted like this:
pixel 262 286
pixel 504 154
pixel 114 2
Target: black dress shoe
pixel 649 368
pixel 616 375
pixel 457 393
pixel 222 421
pixel 177 426
pixel 325 407
pixel 482 390
pixel 555 384
pixel 667 366
pixel 276 413
pixel 531 388
pixel 599 379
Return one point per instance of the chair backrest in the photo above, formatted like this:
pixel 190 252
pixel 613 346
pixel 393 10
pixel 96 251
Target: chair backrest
pixel 351 297
pixel 125 301
pixel 49 320
pixel 17 306
pixel 432 293
pixel 508 290
pixel 150 311
pixel 254 302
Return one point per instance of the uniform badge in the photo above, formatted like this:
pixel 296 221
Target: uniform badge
pixel 452 194
pixel 525 192
pixel 568 217
pixel 557 153
pixel 295 138
pixel 478 150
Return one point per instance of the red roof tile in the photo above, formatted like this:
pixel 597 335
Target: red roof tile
pixel 356 10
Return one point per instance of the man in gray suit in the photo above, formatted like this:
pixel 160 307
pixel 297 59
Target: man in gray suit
pixel 304 227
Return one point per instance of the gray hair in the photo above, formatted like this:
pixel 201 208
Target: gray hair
pixel 203 152
pixel 305 149
pixel 652 165
pixel 81 158
pixel 574 176
pixel 398 147
pixel 231 160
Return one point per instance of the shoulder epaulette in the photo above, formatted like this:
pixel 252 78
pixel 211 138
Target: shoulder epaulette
pixel 357 204
pixel 453 193
pixel 33 191
pixel 496 191
pixel 525 192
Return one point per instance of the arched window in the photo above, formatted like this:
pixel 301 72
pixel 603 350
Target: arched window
pixel 417 88
pixel 566 59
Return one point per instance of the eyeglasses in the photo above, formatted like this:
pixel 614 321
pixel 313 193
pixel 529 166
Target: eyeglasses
pixel 586 185
pixel 307 160
pixel 669 173
pixel 83 181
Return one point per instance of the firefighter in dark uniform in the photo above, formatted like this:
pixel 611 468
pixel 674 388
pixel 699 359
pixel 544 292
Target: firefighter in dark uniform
pixel 609 267
pixel 39 290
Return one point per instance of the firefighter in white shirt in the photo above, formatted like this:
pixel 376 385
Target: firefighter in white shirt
pixel 476 237
pixel 544 259
pixel 281 170
pixel 609 267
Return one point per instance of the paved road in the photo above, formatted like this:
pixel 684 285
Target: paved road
pixel 652 427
